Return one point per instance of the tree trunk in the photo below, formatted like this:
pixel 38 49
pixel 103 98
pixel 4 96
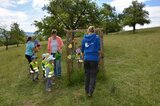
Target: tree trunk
pixel 6 43
pixel 134 28
pixel 7 47
pixel 17 44
pixel 106 30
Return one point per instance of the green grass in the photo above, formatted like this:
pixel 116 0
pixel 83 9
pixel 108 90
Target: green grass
pixel 132 73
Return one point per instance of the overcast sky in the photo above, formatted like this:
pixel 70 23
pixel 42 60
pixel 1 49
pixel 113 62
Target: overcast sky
pixel 24 12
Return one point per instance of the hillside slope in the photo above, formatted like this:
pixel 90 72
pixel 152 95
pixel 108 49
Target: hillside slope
pixel 132 76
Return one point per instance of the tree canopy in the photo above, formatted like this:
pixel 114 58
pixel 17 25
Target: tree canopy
pixel 17 35
pixel 68 14
pixel 14 36
pixel 135 14
pixel 110 19
pixel 79 14
pixel 4 37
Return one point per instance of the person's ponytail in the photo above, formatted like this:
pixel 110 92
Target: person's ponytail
pixel 29 38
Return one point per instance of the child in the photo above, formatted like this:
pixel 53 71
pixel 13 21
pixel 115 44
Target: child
pixel 49 72
pixel 79 55
pixel 34 69
pixel 44 62
pixel 38 47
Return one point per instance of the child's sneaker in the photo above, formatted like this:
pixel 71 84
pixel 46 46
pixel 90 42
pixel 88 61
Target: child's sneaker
pixel 53 83
pixel 36 79
pixel 48 90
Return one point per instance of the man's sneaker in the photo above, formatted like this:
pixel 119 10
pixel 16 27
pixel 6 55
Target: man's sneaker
pixel 89 95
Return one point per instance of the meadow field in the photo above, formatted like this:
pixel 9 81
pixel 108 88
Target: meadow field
pixel 131 77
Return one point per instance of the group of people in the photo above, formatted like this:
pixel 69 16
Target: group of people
pixel 51 61
pixel 89 51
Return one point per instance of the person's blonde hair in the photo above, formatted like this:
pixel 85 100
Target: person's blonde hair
pixel 91 29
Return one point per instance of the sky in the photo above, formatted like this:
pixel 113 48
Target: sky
pixel 24 12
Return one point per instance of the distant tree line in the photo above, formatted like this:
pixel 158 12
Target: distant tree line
pixel 76 14
pixel 13 37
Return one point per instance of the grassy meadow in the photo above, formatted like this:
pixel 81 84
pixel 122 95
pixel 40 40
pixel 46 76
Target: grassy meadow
pixel 132 75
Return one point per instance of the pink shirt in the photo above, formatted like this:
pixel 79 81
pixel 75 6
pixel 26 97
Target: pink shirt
pixel 59 44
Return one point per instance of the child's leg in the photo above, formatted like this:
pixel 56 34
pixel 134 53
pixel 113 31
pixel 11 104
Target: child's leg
pixel 48 81
pixel 32 75
pixel 37 74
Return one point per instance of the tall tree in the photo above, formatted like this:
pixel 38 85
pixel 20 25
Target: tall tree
pixel 17 35
pixel 4 37
pixel 46 25
pixel 135 14
pixel 110 19
pixel 69 14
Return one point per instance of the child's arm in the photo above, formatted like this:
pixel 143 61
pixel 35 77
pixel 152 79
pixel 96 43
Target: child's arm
pixel 32 68
pixel 35 49
pixel 43 66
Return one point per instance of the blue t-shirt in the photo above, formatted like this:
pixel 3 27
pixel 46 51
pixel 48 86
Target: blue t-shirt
pixel 29 48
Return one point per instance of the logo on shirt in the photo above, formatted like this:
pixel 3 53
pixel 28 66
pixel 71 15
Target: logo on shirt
pixel 87 44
